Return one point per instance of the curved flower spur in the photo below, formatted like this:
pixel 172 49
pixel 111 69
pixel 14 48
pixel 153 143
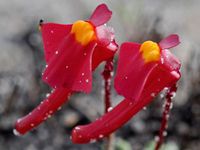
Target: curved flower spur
pixel 72 52
pixel 143 71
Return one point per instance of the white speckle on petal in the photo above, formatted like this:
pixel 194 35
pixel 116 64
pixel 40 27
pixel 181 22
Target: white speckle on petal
pixel 109 109
pixel 15 132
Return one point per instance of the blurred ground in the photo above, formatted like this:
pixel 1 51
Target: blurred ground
pixel 21 64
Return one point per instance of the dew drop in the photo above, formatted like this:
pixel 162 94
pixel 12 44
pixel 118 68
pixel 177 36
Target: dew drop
pixel 109 109
pixel 174 73
pixel 126 77
pixel 153 94
pixel 162 60
pixel 101 136
pixel 56 52
pixel 19 120
pixel 52 31
pixel 165 133
pixel 80 136
pixel 171 105
pixel 162 95
pixel 77 128
pixel 49 116
pixel 46 66
pixel 157 138
pixel 50 111
pixel 47 95
pixel 32 125
pixel 15 132
pixel 85 54
pixel 130 103
pixel 82 74
pixel 59 108
pixel 46 78
pixel 87 80
pixel 92 140
pixel 173 94
pixel 144 108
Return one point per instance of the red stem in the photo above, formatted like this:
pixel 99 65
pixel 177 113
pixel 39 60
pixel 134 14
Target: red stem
pixel 43 111
pixel 107 74
pixel 165 117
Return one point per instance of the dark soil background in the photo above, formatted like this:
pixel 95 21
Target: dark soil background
pixel 21 64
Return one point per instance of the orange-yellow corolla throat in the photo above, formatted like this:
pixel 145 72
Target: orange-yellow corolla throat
pixel 150 51
pixel 84 32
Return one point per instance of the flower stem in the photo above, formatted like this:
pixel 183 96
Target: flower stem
pixel 107 75
pixel 168 105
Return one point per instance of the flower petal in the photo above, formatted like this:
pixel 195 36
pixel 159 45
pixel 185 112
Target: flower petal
pixel 71 66
pixel 100 15
pixel 169 42
pixel 46 108
pixel 108 123
pixel 132 71
pixel 52 35
pixel 104 35
pixel 102 53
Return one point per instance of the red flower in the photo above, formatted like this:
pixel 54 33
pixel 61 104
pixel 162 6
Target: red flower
pixel 71 52
pixel 143 71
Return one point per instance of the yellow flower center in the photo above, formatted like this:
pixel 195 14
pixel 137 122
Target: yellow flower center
pixel 84 32
pixel 150 51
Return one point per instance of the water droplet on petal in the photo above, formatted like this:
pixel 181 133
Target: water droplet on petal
pixel 15 132
pixel 144 108
pixel 153 94
pixel 32 125
pixel 56 52
pixel 18 120
pixel 77 128
pixel 87 80
pixel 47 95
pixel 92 140
pixel 46 66
pixel 126 77
pixel 82 74
pixel 109 109
pixel 85 54
pixel 59 108
pixel 162 60
pixel 101 136
pixel 52 31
